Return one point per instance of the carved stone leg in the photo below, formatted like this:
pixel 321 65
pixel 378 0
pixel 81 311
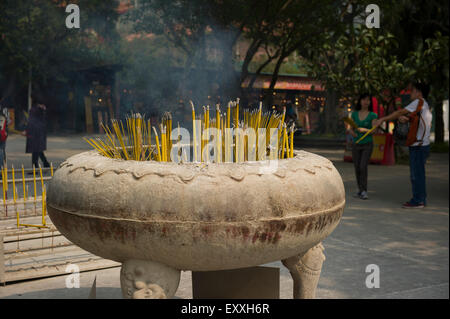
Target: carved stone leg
pixel 305 271
pixel 143 279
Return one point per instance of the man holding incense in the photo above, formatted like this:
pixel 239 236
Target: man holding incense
pixel 420 149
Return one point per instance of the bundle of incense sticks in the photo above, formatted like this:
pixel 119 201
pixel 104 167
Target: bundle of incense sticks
pixel 25 199
pixel 231 135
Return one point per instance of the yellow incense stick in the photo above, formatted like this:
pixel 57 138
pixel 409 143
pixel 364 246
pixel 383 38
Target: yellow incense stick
pixel 43 206
pixel 34 184
pixel 236 126
pixel 42 179
pixel 3 186
pixel 288 151
pixel 157 144
pixel 228 116
pixel 257 128
pixel 194 141
pixel 15 207
pixel 350 122
pixel 163 138
pixel 14 183
pixel 284 141
pixel 207 133
pixel 23 183
pixel 218 155
pixel 367 133
pixel 292 141
pixel 169 137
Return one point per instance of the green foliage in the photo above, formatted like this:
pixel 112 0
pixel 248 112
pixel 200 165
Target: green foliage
pixel 362 61
pixel 34 35
pixel 356 59
pixel 431 65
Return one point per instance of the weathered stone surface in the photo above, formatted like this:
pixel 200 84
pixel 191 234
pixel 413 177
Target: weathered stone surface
pixel 305 270
pixel 196 216
pixel 141 279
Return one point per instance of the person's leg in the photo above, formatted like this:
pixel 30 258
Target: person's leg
pixel 35 159
pixel 44 159
pixel 365 158
pixel 2 155
pixel 417 158
pixel 422 155
pixel 356 156
pixel 426 150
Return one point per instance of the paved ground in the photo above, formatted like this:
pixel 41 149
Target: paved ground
pixel 410 247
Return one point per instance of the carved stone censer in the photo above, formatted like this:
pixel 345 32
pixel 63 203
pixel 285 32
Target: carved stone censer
pixel 158 218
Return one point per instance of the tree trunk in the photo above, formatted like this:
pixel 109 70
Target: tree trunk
pixel 438 122
pixel 254 46
pixel 275 73
pixel 330 113
pixel 258 72
pixel 10 89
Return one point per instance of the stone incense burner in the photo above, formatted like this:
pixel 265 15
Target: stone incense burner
pixel 160 218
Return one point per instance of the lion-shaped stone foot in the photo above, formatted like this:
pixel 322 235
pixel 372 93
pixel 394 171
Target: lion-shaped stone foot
pixel 143 279
pixel 305 271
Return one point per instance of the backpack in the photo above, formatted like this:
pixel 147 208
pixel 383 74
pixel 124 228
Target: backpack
pixel 406 133
pixel 414 120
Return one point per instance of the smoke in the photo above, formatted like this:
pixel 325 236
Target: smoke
pixel 163 77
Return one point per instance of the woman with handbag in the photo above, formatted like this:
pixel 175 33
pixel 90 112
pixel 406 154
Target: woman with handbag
pixel 364 118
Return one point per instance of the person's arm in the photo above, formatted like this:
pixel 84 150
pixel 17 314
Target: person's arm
pixel 374 121
pixel 365 130
pixel 391 117
pixel 362 129
pixel 351 131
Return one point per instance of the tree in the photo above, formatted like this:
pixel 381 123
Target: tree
pixel 430 63
pixel 194 28
pixel 34 39
pixel 422 29
pixel 278 27
pixel 357 59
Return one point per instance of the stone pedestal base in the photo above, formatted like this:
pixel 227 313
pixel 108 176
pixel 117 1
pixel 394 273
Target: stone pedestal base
pixel 305 270
pixel 141 279
pixel 147 279
pixel 244 283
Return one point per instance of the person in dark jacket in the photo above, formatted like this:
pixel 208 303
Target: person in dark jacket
pixel 36 133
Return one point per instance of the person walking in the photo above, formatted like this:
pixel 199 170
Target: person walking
pixel 364 118
pixel 36 133
pixel 3 134
pixel 419 144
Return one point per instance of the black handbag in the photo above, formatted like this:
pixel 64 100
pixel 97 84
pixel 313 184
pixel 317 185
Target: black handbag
pixel 401 132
